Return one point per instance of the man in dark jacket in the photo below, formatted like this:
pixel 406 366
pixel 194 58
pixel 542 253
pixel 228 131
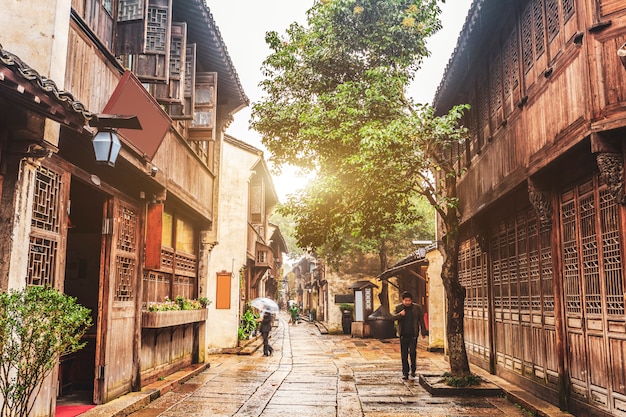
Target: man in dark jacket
pixel 410 324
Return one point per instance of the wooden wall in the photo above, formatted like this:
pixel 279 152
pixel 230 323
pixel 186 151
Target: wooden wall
pixel 577 85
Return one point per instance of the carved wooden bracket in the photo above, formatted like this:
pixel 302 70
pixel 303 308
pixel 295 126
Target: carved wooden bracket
pixel 611 167
pixel 542 203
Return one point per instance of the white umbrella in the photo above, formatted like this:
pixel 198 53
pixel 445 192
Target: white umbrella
pixel 265 305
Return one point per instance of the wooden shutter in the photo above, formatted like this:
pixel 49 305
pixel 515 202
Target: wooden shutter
pixel 189 90
pixel 143 31
pixel 171 94
pixel 154 234
pixel 222 295
pixel 204 117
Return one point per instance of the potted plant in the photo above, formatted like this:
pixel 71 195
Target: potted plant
pixel 346 317
pixel 174 312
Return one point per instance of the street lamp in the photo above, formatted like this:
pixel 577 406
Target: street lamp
pixel 106 143
pixel 106 146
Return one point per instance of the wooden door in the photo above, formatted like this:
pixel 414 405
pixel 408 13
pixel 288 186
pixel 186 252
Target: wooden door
pixel 119 280
pixel 594 295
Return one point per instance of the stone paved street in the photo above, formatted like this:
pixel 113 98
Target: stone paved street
pixel 317 375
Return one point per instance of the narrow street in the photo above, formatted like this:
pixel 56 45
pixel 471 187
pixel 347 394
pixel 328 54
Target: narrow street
pixel 317 375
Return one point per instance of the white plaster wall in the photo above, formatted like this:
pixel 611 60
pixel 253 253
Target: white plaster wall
pixel 37 32
pixel 436 301
pixel 230 253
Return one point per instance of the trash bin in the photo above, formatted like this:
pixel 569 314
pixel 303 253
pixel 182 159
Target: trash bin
pixel 346 321
pixel 381 324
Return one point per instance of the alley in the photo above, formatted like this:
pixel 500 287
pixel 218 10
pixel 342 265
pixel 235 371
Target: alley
pixel 318 375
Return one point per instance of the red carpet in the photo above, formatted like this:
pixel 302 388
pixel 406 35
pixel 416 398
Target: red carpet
pixel 72 410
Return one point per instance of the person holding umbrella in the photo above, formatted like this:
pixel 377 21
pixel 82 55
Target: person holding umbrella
pixel 267 307
pixel 266 327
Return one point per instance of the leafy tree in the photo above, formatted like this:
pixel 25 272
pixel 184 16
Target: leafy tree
pixel 37 326
pixel 335 102
pixel 287 226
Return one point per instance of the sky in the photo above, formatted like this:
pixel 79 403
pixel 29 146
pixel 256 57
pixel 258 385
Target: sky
pixel 243 24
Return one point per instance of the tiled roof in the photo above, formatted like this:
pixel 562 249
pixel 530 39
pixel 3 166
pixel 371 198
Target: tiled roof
pixel 40 94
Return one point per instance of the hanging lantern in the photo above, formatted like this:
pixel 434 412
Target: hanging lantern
pixel 106 146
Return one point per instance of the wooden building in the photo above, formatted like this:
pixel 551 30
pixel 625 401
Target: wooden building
pixel 541 190
pixel 117 238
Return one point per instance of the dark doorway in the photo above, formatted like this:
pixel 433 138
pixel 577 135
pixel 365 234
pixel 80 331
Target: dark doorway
pixel 82 277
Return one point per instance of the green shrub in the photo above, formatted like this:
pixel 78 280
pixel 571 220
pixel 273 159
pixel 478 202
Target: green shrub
pixel 247 324
pixel 464 381
pixel 37 326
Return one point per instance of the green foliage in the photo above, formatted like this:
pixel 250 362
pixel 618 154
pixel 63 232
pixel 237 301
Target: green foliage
pixel 461 381
pixel 37 325
pixel 335 103
pixel 179 303
pixel 346 306
pixel 247 324
pixel 287 225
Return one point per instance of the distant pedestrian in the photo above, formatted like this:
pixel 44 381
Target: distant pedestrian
pixel 294 314
pixel 266 327
pixel 410 323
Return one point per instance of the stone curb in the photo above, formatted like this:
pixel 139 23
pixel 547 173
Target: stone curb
pixel 526 400
pixel 135 401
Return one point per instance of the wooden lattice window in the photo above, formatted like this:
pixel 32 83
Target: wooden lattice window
pixel 495 90
pixel 127 230
pixel 483 111
pixel 513 278
pixel 143 38
pixel 570 254
pixel 46 214
pixel 528 58
pixel 592 254
pixel 553 18
pixel 568 9
pixel 547 279
pixel 130 10
pixel 42 258
pixel 523 291
pixel 611 255
pixel 124 273
pixel 496 265
pixel 170 94
pixel 534 270
pixel 538 27
pixel 45 236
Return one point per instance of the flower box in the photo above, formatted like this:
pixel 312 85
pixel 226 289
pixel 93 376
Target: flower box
pixel 159 319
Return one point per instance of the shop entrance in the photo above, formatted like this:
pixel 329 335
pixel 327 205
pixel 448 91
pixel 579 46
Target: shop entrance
pixel 82 277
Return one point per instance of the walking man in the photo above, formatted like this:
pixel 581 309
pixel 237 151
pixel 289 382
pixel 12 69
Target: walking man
pixel 410 324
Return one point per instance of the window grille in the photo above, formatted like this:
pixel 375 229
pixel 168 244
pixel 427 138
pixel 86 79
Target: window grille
pixel 552 18
pixel 589 251
pixel 42 258
pixel 528 58
pixel 124 272
pixel 130 10
pixel 45 233
pixel 538 26
pixel 570 257
pixel 495 90
pixel 568 9
pixel 127 230
pixel 46 200
pixel 534 272
pixel 611 255
pixel 156 29
pixel 545 250
pixel 522 256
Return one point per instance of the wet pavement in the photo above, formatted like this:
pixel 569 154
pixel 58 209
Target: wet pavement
pixel 318 375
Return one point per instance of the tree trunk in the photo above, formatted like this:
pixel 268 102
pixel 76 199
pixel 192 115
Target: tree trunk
pixel 455 293
pixel 384 290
